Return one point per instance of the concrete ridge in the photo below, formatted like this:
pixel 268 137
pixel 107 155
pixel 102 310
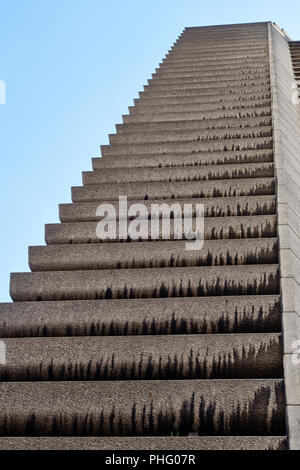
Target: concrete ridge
pixel 209 144
pixel 198 78
pixel 188 173
pixel 106 408
pixel 144 339
pixel 174 190
pixel 200 108
pixel 227 123
pixel 145 254
pixel 191 134
pixel 145 443
pixel 250 90
pixel 256 111
pixel 214 207
pixel 145 283
pixel 199 159
pixel 214 227
pixel 143 357
pixel 151 316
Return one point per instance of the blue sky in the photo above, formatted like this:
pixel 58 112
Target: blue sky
pixel 72 68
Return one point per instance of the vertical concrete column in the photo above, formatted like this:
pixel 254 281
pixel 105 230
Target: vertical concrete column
pixel 286 126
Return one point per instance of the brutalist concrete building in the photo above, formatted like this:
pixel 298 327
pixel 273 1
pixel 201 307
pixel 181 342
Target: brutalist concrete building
pixel 142 343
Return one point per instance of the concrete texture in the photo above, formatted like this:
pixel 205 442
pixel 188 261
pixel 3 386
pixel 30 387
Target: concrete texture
pixel 145 283
pixel 174 190
pixel 146 254
pixel 219 228
pixel 194 71
pixel 293 423
pixel 227 94
pixel 162 80
pixel 183 160
pixel 173 315
pixel 227 67
pixel 145 443
pixel 209 407
pixel 139 357
pixel 188 146
pixel 189 84
pixel 118 345
pixel 246 111
pixel 208 172
pixel 286 122
pixel 205 101
pixel 158 82
pixel 206 62
pixel 213 207
pixel 211 110
pixel 190 135
pixel 197 124
pixel 148 128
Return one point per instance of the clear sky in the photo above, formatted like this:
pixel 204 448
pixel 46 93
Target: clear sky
pixel 71 69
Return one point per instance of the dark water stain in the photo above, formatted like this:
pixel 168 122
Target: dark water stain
pixel 196 414
pixel 265 284
pixel 245 157
pixel 205 258
pixel 220 174
pixel 258 361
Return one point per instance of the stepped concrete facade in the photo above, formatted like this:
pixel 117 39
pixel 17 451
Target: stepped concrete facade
pixel 142 343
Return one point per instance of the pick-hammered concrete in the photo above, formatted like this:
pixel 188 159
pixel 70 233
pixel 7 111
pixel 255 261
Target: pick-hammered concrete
pixel 186 135
pixel 208 172
pixel 213 207
pixel 145 443
pixel 286 122
pixel 203 109
pixel 201 132
pixel 134 128
pixel 138 357
pixel 214 228
pixel 174 190
pixel 146 254
pixel 248 111
pixel 109 317
pixel 183 160
pixel 145 283
pixel 142 407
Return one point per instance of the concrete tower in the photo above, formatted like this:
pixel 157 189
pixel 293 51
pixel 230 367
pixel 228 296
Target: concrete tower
pixel 145 344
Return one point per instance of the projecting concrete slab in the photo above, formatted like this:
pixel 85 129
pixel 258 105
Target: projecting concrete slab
pixel 142 407
pixel 192 125
pixel 173 315
pixel 145 443
pixel 214 228
pixel 177 160
pixel 213 207
pixel 146 254
pixel 139 357
pixel 197 115
pixel 145 283
pixel 190 135
pixel 174 190
pixel 203 109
